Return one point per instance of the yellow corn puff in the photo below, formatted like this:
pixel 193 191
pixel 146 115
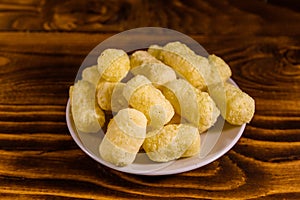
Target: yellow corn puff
pixel 170 142
pixel 142 57
pixel 239 105
pixel 113 65
pixel 195 106
pixel 87 116
pixel 157 73
pixel 104 94
pixel 220 65
pixel 118 101
pixel 236 106
pixel 143 96
pixel 179 48
pixel 209 112
pixel 155 51
pixel 183 98
pixel 91 74
pixel 124 137
pixel 185 62
pixel 194 149
pixel 110 96
pixel 145 64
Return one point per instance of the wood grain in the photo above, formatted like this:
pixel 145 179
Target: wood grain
pixel 42 45
pixel 192 17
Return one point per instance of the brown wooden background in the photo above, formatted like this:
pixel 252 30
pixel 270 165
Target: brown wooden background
pixel 42 44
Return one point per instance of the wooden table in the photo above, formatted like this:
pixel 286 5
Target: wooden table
pixel 42 45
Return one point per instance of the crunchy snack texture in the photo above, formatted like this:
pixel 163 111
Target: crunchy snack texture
pixel 87 116
pixel 221 66
pixel 239 106
pixel 104 94
pixel 195 106
pixel 185 62
pixel 91 74
pixel 142 57
pixel 171 142
pixel 149 100
pixel 161 100
pixel 113 65
pixel 124 137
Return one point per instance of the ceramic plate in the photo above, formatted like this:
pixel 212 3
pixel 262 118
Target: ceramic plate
pixel 214 143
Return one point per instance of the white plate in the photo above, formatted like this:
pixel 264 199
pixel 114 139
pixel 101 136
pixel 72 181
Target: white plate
pixel 214 143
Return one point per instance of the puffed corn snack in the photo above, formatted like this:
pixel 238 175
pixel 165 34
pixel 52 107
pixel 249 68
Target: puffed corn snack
pixel 157 100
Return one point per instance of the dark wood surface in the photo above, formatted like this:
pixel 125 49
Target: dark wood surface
pixel 42 45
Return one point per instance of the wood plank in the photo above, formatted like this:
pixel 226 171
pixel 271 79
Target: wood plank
pixel 234 178
pixel 254 17
pixel 43 44
pixel 40 160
